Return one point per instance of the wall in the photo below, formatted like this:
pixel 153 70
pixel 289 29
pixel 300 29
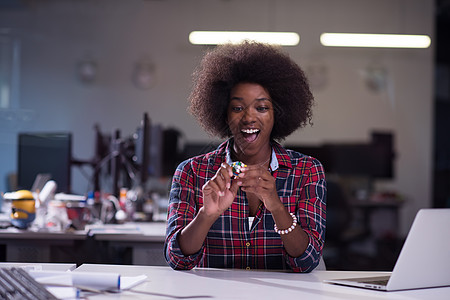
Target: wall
pixel 56 35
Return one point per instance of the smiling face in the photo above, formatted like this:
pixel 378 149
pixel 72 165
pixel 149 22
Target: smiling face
pixel 250 119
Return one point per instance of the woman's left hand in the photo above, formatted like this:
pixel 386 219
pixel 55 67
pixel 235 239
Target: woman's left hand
pixel 259 181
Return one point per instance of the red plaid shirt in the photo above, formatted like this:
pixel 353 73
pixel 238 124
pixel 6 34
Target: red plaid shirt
pixel 232 242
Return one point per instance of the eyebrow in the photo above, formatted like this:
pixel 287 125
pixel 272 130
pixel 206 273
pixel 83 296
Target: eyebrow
pixel 257 99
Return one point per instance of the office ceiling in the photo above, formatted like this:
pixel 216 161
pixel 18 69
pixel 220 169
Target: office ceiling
pixel 13 4
pixel 442 6
pixel 442 13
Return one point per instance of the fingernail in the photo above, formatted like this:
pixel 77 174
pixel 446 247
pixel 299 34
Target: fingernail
pixel 228 185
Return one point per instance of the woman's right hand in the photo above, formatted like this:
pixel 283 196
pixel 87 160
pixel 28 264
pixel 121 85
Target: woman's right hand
pixel 219 192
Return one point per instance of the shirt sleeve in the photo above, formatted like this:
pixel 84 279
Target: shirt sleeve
pixel 311 215
pixel 181 211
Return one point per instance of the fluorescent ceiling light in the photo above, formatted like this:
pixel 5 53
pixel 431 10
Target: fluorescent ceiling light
pixel 375 40
pixel 222 37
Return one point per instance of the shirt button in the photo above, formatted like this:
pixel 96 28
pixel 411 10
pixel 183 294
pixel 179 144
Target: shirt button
pixel 248 268
pixel 247 244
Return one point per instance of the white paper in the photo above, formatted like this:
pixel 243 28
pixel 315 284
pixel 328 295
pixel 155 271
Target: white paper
pixel 67 291
pixel 63 292
pixel 129 282
pixel 93 280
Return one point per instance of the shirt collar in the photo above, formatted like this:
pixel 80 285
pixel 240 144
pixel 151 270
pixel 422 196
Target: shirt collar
pixel 273 161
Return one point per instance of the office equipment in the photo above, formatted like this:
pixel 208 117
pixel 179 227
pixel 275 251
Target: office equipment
pixel 16 283
pixel 151 152
pixel 140 156
pixel 373 160
pixel 45 152
pixel 172 146
pixel 142 148
pixel 156 151
pixel 148 153
pixel 428 242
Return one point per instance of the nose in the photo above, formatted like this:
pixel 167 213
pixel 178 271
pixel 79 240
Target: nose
pixel 249 115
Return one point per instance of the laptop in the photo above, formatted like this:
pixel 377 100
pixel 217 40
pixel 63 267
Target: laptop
pixel 424 260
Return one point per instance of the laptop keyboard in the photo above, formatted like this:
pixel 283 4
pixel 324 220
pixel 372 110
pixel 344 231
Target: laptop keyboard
pixel 16 283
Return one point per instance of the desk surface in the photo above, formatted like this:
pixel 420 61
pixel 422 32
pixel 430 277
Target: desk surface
pixel 165 283
pixel 144 232
pixel 130 232
pixel 23 234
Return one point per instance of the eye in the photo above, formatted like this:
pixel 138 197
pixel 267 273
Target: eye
pixel 237 108
pixel 262 108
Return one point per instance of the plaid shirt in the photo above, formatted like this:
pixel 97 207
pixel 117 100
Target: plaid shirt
pixel 232 242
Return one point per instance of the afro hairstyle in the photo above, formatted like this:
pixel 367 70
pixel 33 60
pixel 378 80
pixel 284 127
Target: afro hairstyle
pixel 267 65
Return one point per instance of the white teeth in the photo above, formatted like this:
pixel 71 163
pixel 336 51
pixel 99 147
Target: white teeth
pixel 250 131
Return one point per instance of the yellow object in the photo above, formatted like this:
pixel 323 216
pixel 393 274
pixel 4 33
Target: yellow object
pixel 23 208
pixel 26 207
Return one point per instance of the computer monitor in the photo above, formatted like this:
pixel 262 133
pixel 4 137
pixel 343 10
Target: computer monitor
pixel 157 150
pixel 172 150
pixel 142 148
pixel 45 153
pixel 374 159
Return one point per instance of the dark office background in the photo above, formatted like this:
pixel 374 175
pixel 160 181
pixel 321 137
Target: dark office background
pixel 345 251
pixel 441 182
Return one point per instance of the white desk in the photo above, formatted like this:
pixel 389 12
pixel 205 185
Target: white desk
pixel 241 284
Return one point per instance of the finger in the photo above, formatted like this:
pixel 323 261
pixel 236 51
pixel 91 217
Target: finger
pixel 234 187
pixel 225 176
pixel 255 171
pixel 218 179
pixel 228 169
pixel 256 184
pixel 253 167
pixel 252 178
pixel 221 186
pixel 213 186
pixel 249 184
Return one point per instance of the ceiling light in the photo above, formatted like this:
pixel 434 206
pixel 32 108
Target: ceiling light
pixel 234 37
pixel 375 40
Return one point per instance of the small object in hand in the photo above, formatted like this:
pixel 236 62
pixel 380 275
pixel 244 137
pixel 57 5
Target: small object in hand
pixel 237 166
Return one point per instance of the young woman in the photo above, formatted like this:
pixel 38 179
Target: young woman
pixel 269 213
